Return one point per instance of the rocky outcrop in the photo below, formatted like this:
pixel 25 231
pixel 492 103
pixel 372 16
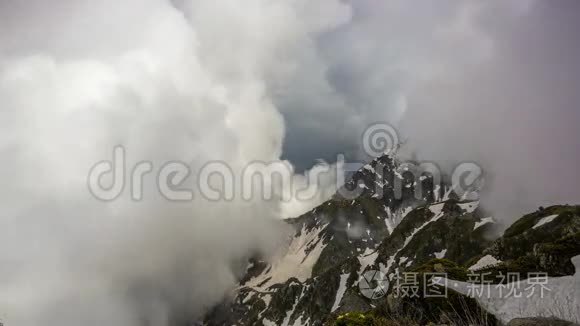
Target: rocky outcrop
pixel 543 241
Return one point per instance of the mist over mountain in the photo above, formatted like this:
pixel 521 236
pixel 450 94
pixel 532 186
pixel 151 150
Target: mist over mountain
pixel 285 83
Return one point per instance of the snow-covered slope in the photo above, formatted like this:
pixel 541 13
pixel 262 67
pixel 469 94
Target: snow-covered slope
pixel 557 297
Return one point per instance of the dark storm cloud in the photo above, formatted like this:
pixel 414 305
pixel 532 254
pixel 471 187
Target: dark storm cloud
pixel 492 82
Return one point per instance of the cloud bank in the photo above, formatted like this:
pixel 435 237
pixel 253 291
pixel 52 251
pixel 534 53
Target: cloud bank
pixel 183 80
pixel 238 82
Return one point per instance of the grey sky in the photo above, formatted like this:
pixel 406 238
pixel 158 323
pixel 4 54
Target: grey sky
pixel 494 82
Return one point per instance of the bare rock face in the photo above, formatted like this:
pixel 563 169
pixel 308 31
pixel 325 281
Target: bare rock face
pixel 390 230
pixel 539 321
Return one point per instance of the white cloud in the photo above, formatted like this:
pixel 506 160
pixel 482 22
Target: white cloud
pixel 186 85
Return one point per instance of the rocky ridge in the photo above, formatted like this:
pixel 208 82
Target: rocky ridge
pixel 398 222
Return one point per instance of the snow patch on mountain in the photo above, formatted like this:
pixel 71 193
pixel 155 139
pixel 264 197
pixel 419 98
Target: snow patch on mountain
pixel 405 211
pixel 291 311
pixel 298 322
pixel 545 220
pixel 437 193
pixel 393 219
pixel 370 168
pixel 248 297
pixel 266 298
pixel 340 292
pixel 437 208
pixel 437 211
pixel 267 322
pixel 440 254
pixel 469 207
pixel 366 259
pixel 485 261
pixel 297 262
pixel 448 193
pixel 483 221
